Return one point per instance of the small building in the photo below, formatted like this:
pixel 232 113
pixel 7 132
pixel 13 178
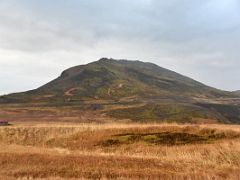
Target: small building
pixel 4 123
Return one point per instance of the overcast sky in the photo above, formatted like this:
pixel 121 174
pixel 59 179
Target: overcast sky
pixel 41 38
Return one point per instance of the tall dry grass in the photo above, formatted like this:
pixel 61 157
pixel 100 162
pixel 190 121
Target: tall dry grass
pixel 73 151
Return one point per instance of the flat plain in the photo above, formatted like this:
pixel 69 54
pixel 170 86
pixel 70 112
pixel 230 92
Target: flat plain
pixel 31 150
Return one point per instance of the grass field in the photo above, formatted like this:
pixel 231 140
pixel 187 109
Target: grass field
pixel 119 151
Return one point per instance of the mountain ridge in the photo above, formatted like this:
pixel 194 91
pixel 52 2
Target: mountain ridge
pixel 108 69
pixel 153 92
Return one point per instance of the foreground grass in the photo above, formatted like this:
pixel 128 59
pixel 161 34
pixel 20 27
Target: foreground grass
pixel 63 151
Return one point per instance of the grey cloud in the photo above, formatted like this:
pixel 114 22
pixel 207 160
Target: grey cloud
pixel 196 38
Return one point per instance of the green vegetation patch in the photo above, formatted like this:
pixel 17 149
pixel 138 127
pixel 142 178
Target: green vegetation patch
pixel 163 138
pixel 162 112
pixel 230 112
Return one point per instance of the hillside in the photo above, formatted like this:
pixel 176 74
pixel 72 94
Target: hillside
pixel 111 79
pixel 237 92
pixel 112 85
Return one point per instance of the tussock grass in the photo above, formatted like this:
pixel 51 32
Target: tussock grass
pixel 74 151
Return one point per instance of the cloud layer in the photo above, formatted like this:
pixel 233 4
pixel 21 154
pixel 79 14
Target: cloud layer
pixel 39 39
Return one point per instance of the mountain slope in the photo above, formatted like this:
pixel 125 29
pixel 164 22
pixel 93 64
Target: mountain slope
pixel 157 92
pixel 237 92
pixel 107 79
pixel 111 79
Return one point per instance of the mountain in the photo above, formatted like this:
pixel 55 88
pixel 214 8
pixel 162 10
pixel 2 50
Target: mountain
pixel 116 79
pixel 237 92
pixel 150 92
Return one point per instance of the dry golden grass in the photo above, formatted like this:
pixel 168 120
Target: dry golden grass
pixel 76 151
